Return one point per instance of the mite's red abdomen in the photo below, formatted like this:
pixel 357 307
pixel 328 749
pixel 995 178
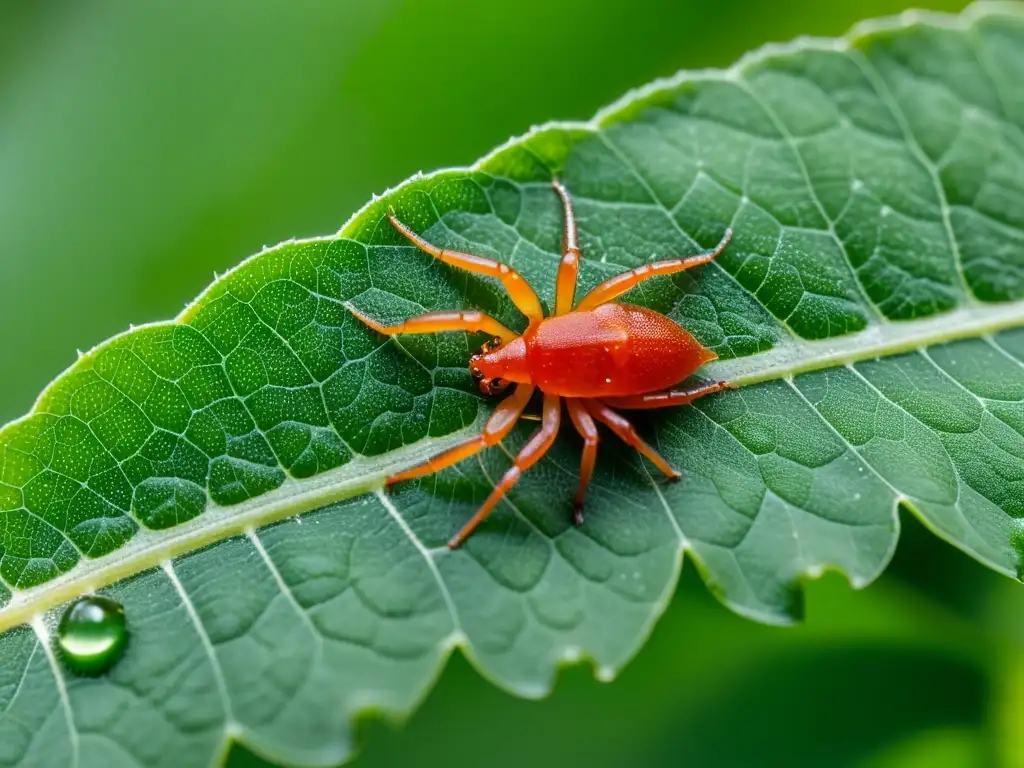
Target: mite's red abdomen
pixel 613 350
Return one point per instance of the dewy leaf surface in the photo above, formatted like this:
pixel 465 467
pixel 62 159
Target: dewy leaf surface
pixel 871 305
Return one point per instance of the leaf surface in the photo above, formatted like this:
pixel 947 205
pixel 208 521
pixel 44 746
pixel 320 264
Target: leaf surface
pixel 220 474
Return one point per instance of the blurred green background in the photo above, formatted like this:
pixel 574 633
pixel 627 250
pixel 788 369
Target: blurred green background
pixel 144 146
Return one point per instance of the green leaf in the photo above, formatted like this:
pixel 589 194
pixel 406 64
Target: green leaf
pixel 220 475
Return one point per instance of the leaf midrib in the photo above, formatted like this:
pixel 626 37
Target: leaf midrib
pixel 790 357
pixel 151 548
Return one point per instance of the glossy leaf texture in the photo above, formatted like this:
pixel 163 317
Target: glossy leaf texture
pixel 220 474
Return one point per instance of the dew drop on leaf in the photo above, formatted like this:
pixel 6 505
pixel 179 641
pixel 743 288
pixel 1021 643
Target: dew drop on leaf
pixel 92 634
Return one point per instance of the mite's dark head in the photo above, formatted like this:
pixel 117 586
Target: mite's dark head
pixel 489 385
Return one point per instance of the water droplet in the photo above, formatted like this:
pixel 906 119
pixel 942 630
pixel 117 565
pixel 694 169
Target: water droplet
pixel 92 634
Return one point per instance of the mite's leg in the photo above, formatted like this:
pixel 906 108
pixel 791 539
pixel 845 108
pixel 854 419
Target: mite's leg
pixel 666 399
pixel 621 427
pixel 531 453
pixel 588 431
pixel 565 284
pixel 617 285
pixel 499 425
pixel 433 322
pixel 519 290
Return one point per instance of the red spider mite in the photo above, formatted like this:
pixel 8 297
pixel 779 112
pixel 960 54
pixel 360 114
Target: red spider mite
pixel 599 356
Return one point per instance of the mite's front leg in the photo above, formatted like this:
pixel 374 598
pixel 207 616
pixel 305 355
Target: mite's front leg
pixel 498 426
pixel 435 322
pixel 522 295
pixel 531 453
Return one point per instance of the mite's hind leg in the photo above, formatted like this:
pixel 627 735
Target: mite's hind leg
pixel 621 426
pixel 531 453
pixel 585 425
pixel 522 295
pixel 434 322
pixel 498 426
pixel 666 399
pixel 617 285
pixel 568 268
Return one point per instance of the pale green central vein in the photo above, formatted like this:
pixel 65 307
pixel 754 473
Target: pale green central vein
pixel 792 356
pixel 150 549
